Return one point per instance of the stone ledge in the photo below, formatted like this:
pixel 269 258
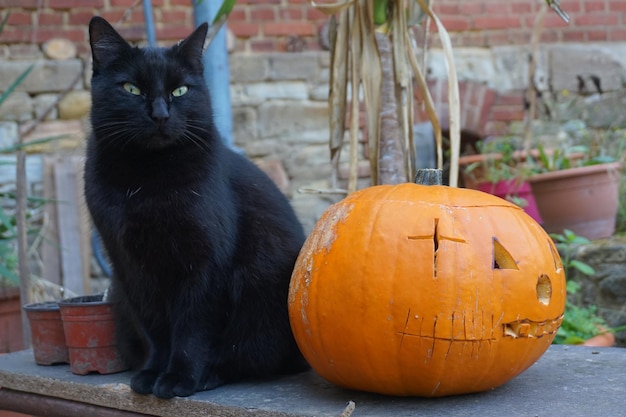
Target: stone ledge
pixel 567 381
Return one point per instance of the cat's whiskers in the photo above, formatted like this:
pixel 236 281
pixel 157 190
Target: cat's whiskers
pixel 196 139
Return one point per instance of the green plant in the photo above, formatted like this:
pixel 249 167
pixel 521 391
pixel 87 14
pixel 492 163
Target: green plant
pixel 503 160
pixel 580 322
pixel 558 159
pixel 8 257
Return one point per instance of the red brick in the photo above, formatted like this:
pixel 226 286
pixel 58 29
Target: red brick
pixel 554 21
pixel 314 14
pixel 455 24
pixel 289 28
pixel 571 6
pixel 521 7
pixel 175 16
pixel 19 18
pixel 80 17
pixel 617 6
pixel 69 4
pixel 512 98
pixel 50 19
pixel 27 4
pixel 496 22
pixel 263 45
pixel 244 30
pixel 292 13
pixel 237 13
pixel 262 14
pixel 113 16
pixel 617 35
pixel 471 8
pixel 507 113
pixel 597 19
pixel 74 35
pixel 123 3
pixel 499 8
pixel 259 1
pixel 594 6
pixel 442 9
pixel 174 32
pixel 597 35
pixel 575 35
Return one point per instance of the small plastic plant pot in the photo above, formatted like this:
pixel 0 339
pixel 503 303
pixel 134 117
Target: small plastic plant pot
pixel 46 329
pixel 90 335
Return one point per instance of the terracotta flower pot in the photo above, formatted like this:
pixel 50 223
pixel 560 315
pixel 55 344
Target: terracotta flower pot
pixel 603 339
pixel 47 334
pixel 507 188
pixel 90 335
pixel 584 199
pixel 11 334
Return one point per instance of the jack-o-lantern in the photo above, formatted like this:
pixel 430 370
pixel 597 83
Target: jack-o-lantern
pixel 425 290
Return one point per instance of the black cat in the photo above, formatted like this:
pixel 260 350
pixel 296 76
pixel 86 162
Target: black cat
pixel 201 241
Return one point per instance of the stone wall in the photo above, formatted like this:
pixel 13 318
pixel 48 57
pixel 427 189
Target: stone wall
pixel 605 289
pixel 280 112
pixel 279 101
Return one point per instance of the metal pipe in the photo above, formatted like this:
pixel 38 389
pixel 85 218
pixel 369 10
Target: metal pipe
pixel 147 16
pixel 216 70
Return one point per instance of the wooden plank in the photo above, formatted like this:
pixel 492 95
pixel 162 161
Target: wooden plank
pixel 69 227
pixel 50 254
pixel 84 219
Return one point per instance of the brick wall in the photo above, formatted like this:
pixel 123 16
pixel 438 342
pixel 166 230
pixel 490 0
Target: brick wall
pixel 487 23
pixel 282 25
pixel 263 26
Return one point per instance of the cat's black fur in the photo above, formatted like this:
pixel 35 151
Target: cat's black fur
pixel 201 241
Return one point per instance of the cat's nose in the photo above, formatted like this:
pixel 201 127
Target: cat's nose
pixel 160 112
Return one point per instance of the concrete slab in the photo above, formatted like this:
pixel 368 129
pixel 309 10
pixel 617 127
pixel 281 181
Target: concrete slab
pixel 567 381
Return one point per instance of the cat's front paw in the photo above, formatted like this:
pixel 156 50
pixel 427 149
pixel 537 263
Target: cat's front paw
pixel 171 385
pixel 143 382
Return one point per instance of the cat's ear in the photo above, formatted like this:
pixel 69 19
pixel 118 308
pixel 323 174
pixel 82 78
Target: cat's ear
pixel 105 41
pixel 192 47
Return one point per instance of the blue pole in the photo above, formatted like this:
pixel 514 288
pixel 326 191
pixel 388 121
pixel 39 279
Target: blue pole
pixel 216 70
pixel 147 16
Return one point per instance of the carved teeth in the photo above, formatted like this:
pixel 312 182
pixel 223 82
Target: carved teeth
pixel 530 329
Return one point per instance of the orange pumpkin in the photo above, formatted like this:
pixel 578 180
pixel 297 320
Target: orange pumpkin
pixel 426 291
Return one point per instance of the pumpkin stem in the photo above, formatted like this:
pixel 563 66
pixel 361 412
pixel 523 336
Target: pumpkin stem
pixel 429 176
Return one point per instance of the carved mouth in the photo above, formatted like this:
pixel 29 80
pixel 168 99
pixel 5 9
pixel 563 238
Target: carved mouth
pixel 485 328
pixel 530 329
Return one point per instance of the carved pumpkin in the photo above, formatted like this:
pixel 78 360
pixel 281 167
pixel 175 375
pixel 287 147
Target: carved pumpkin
pixel 425 290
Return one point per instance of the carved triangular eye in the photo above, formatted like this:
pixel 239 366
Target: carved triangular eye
pixel 502 259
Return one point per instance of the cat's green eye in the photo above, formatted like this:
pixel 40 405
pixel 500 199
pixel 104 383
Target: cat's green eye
pixel 180 91
pixel 132 88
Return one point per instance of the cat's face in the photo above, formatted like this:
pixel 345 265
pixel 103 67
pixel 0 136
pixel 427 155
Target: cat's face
pixel 148 98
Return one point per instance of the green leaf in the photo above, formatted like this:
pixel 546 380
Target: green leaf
pixel 220 19
pixel 20 146
pixel 224 10
pixel 8 274
pixel 582 267
pixel 4 21
pixel 15 83
pixel 380 12
pixel 6 222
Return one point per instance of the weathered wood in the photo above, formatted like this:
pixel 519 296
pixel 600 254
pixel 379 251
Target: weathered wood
pixel 41 405
pixel 69 223
pixel 50 253
pixel 84 225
